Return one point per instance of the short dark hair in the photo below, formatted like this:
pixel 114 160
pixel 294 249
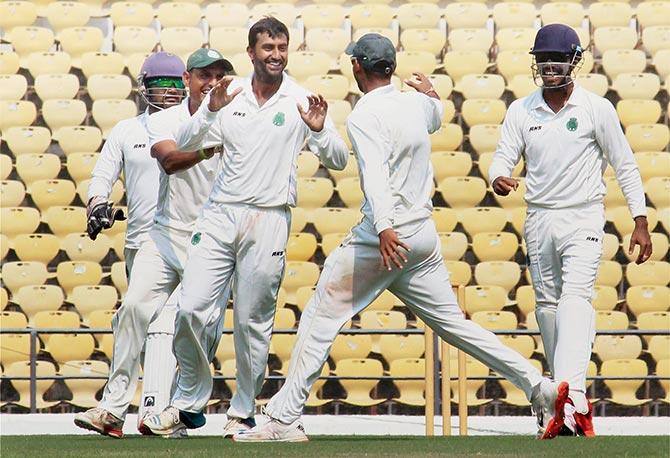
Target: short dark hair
pixel 270 25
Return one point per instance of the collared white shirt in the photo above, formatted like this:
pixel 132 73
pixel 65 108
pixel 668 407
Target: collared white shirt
pixel 390 133
pixel 261 144
pixel 182 194
pixel 127 148
pixel 567 152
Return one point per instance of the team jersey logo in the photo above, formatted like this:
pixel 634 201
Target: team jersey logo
pixel 572 124
pixel 279 119
pixel 196 238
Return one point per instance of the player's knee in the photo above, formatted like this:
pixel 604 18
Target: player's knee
pixel 583 298
pixel 546 307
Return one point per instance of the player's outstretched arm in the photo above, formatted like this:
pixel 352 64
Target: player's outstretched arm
pixel 172 160
pixel 323 139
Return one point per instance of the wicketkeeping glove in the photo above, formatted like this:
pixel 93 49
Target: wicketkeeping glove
pixel 101 215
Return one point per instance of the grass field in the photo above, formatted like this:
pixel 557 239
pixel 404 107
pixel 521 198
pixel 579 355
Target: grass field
pixel 336 446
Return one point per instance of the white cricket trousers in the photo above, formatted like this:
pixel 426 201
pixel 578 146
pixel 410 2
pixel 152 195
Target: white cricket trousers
pixel 247 244
pixel 564 251
pixel 157 268
pixel 352 277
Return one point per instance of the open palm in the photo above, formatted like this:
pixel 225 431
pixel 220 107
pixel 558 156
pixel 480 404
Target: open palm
pixel 315 116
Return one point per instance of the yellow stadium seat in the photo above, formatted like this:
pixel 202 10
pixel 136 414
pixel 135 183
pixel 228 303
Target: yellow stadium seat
pixel 418 15
pixel 131 14
pixel 610 246
pixel 284 319
pixel 64 220
pixel 27 140
pixel 12 87
pixel 18 274
pixel 659 347
pixel 301 246
pixel 637 85
pixel 495 246
pixel 460 272
pixel 331 241
pixel 652 13
pixel 567 13
pixel 349 171
pixel 79 139
pixel 76 273
pixel 33 167
pixel 79 40
pixel 84 390
pixel 453 245
pixel 660 60
pixel 370 15
pixel 485 160
pixel 501 273
pixel 642 299
pixel 483 111
pixel 130 40
pixel 322 15
pixel 331 41
pixel 382 319
pixel 52 62
pixel 484 138
pixel 107 113
pixel 654 320
pixel 514 14
pixel 594 82
pixel 181 40
pixel 466 15
pixel 79 247
pixel 335 220
pixel 517 38
pixel 23 369
pixel 495 319
pixel 62 15
pixel 470 39
pixel 229 39
pixel 460 63
pixel 513 395
pixel 48 193
pixel 57 86
pixel 656 38
pixel 523 85
pixel 617 347
pixel 480 298
pixel 12 193
pixel 606 38
pixel 88 299
pixel 227 14
pixel 432 41
pixel 6 166
pixel 314 192
pixel 9 62
pixel 447 138
pixel 608 13
pixel 226 348
pixel 38 298
pixel 281 346
pixel 298 219
pixel 524 345
pixel 19 220
pixel 349 190
pixel 657 190
pixel 473 369
pixel 102 63
pixel 450 164
pixel 610 273
pixel 623 222
pixel 109 87
pixel 445 219
pixel 623 391
pixel 15 347
pixel 305 63
pixel 69 347
pixel 649 273
pixel 411 391
pixel 653 164
pixel 299 274
pixel 384 302
pixel 635 111
pixel 481 86
pixel 462 192
pixel 284 11
pixel 241 64
pixel 408 62
pixel 525 298
pixel 54 319
pixel 16 13
pixel 394 347
pixel 30 39
pixel 16 113
pixel 604 297
pixel 620 61
pixel 307 164
pixel 80 165
pixel 611 320
pixel 12 320
pixel 329 86
pixel 517 218
pixel 347 346
pixel 178 14
pixel 36 247
pixel 514 62
pixel 59 113
pixel 659 242
pixel 338 110
pixel 358 391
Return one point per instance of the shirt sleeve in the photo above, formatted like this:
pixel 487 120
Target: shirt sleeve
pixel 159 128
pixel 372 155
pixel 616 149
pixel 328 146
pixel 434 111
pixel 510 147
pixel 108 166
pixel 202 130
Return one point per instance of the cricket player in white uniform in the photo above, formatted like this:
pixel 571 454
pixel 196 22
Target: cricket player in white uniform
pixel 567 136
pixel 262 123
pixel 184 183
pixel 395 247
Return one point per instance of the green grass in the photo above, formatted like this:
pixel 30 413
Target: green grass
pixel 336 446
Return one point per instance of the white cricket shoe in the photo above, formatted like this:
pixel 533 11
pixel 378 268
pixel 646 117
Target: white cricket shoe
pixel 166 423
pixel 237 426
pixel 274 431
pixel 548 403
pixel 101 421
pixel 145 431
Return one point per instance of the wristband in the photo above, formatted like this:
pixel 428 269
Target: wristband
pixel 202 155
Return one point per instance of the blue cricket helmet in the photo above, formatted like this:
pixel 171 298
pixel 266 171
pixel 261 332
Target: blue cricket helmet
pixel 558 38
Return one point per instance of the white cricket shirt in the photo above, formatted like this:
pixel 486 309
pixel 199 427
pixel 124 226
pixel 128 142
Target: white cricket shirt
pixel 261 144
pixel 182 194
pixel 567 152
pixel 390 133
pixel 127 148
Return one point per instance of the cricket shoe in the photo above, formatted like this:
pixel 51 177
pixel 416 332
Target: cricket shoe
pixel 274 431
pixel 555 396
pixel 101 421
pixel 173 422
pixel 145 431
pixel 238 425
pixel 584 422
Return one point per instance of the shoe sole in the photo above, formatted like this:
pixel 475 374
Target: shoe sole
pixel 306 439
pixel 557 421
pixel 115 433
pixel 144 430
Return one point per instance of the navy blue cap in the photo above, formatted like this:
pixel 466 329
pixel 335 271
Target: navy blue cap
pixel 556 38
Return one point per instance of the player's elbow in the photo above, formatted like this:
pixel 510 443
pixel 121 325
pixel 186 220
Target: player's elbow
pixel 168 166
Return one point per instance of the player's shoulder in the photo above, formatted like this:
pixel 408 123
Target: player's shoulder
pixel 593 100
pixel 125 126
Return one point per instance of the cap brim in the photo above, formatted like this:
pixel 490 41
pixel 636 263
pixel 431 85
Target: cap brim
pixel 350 49
pixel 226 64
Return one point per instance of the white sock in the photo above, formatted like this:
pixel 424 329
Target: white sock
pixel 546 321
